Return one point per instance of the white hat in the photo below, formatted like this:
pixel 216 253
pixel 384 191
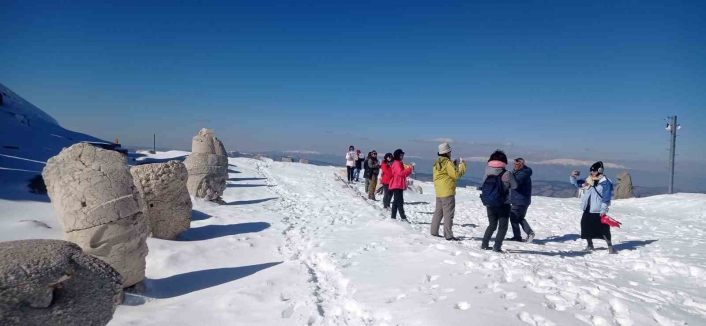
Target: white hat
pixel 444 148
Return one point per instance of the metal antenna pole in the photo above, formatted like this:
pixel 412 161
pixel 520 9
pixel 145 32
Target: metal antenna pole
pixel 154 143
pixel 672 153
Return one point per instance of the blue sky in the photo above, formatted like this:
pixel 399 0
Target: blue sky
pixel 556 79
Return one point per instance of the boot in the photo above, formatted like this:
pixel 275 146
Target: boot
pixel 530 237
pixel 589 248
pixel 612 250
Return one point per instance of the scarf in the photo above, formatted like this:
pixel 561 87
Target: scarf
pixel 591 180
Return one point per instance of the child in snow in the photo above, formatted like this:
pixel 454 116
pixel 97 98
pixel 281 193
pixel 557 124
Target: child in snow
pixel 351 157
pixel 398 184
pixel 495 188
pixel 598 190
pixel 358 166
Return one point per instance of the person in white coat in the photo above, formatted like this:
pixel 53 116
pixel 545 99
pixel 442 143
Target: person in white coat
pixel 351 158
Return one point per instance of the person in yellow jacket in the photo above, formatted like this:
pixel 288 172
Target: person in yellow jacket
pixel 445 175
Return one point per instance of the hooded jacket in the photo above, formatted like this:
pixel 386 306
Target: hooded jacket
pixel 598 197
pixel 399 176
pixel 445 174
pixel 373 167
pixel 522 196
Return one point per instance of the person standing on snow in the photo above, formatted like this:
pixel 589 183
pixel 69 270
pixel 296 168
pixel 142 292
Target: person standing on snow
pixel 351 157
pixel 385 179
pixel 495 190
pixel 398 184
pixel 598 190
pixel 520 199
pixel 358 166
pixel 366 174
pixel 373 166
pixel 445 175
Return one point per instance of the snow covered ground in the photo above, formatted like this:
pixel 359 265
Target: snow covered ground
pixel 296 247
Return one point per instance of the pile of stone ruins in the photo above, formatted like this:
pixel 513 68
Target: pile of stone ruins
pixel 106 210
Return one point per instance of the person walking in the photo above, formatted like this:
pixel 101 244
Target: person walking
pixel 445 174
pixel 351 157
pixel 358 166
pixel 598 191
pixel 366 173
pixel 520 199
pixel 373 170
pixel 385 179
pixel 495 189
pixel 398 184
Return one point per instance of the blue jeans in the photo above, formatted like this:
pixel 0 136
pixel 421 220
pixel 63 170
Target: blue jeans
pixel 356 174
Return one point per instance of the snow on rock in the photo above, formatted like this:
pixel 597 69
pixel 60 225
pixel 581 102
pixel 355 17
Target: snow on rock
pixel 99 207
pixel 293 246
pixel 165 201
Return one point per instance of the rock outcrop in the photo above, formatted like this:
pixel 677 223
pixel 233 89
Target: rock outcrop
pixel 624 190
pixel 207 167
pixel 165 200
pixel 52 282
pixel 99 207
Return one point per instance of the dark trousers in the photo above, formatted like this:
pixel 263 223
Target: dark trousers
pixel 350 173
pixel 497 219
pixel 517 220
pixel 387 195
pixel 398 203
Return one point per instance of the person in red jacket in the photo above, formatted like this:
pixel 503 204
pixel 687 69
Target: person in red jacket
pixel 385 179
pixel 398 184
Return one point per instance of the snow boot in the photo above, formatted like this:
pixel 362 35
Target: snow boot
pixel 485 247
pixel 530 237
pixel 498 250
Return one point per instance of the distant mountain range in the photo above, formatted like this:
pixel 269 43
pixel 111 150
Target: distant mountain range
pixel 550 178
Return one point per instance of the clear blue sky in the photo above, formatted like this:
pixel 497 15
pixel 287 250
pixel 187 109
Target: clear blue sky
pixel 572 79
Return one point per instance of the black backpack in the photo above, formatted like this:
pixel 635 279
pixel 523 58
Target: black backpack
pixel 492 191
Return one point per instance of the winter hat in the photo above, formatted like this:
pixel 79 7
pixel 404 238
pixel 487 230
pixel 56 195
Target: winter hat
pixel 498 155
pixel 397 156
pixel 358 151
pixel 444 148
pixel 597 167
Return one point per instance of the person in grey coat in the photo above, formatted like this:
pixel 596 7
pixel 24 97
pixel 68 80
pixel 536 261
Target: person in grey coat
pixel 498 214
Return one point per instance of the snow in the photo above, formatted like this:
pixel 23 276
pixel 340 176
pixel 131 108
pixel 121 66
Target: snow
pixel 294 246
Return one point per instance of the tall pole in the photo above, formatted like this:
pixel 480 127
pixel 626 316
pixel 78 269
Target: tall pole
pixel 672 153
pixel 154 143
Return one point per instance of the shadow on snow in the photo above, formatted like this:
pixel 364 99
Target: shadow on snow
pixel 217 231
pixel 250 202
pixel 178 285
pixel 199 216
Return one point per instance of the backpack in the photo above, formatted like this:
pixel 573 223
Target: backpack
pixel 492 191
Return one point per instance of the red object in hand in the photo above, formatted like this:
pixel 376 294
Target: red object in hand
pixel 605 219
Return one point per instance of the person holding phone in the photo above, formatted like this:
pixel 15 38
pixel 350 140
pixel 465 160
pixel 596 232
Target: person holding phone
pixel 445 174
pixel 598 191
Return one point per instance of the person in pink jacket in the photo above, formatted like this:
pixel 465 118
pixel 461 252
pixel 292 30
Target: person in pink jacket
pixel 398 184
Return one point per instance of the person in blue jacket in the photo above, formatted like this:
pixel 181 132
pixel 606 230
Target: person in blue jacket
pixel 598 190
pixel 520 199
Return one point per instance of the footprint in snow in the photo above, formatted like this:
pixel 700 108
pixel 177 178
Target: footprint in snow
pixel 463 305
pixel 534 320
pixel 432 278
pixel 449 262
